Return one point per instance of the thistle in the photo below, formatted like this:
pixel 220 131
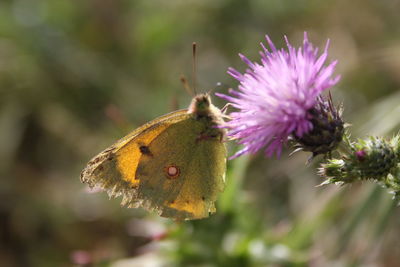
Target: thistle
pixel 280 99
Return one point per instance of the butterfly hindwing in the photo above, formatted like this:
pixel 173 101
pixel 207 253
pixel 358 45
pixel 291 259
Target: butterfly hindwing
pixel 182 177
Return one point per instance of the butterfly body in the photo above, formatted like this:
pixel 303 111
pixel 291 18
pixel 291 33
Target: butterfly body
pixel 174 164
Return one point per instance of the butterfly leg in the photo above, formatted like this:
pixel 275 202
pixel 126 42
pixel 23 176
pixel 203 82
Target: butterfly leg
pixel 225 108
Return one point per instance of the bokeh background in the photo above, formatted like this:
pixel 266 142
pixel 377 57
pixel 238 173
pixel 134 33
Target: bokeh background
pixel 77 75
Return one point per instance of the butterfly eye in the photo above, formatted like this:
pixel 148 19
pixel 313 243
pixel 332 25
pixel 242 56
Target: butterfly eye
pixel 172 171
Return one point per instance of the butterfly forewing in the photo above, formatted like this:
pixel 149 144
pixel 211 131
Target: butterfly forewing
pixel 114 168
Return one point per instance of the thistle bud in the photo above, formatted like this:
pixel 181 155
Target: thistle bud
pixel 334 170
pixel 374 158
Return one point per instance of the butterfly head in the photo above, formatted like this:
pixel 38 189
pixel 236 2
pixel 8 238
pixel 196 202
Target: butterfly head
pixel 201 105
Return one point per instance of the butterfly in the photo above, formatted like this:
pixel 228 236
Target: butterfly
pixel 174 165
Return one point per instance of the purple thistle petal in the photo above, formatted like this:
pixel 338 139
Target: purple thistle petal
pixel 274 96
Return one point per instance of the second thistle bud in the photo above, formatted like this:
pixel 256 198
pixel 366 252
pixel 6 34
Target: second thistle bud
pixel 374 158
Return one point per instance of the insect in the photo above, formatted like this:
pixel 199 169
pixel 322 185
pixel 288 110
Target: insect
pixel 174 165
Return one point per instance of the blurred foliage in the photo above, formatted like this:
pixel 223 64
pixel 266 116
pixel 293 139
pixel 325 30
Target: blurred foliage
pixel 77 75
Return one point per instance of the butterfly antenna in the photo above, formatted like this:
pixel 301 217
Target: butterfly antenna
pixel 209 92
pixel 194 80
pixel 186 85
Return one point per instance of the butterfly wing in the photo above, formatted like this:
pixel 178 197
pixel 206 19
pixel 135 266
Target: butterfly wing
pixel 174 164
pixel 184 171
pixel 114 168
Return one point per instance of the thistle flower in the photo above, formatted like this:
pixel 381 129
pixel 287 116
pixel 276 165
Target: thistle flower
pixel 277 97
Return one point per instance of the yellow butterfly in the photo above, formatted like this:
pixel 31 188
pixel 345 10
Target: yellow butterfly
pixel 174 165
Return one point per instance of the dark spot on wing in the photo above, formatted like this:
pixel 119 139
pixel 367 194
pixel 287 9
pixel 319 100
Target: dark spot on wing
pixel 145 150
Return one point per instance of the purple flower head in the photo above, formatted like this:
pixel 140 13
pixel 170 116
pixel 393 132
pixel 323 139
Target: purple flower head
pixel 274 96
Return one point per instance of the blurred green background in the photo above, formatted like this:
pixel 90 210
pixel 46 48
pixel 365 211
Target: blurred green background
pixel 77 75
